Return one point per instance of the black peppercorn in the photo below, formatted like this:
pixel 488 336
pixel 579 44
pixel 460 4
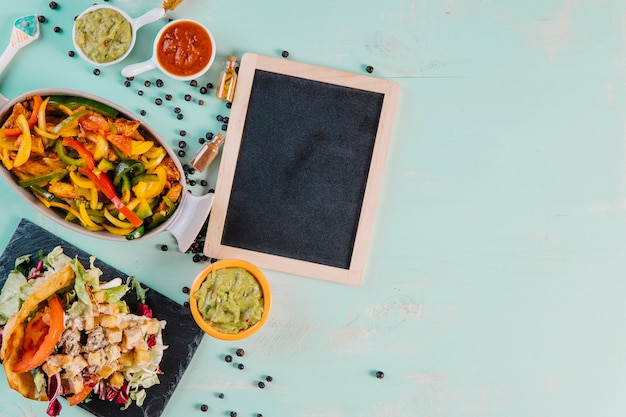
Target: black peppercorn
pixel 159 82
pixel 130 78
pixel 201 102
pixel 261 384
pixel 41 18
pixel 209 135
pixel 226 119
pixel 127 83
pixel 224 127
pixel 96 71
pixel 179 116
pixel 201 140
pixel 193 83
pixel 186 304
pixel 259 415
pixel 240 352
pixel 380 374
pixel 147 83
pixel 177 110
pixel 158 101
pixel 182 133
pixel 192 182
pixel 285 54
pixel 192 171
pixel 269 378
pixel 240 366
pixel 182 144
pixel 57 29
pixel 197 258
pixel 369 69
pixel 233 414
pixel 219 117
pixel 164 248
pixel 186 290
pixel 53 5
pixel 203 90
pixel 143 112
pixel 181 153
pixel 220 395
pixel 229 105
pixel 204 407
pixel 140 92
pixel 228 358
pixel 187 97
pixel 209 85
pixel 71 53
pixel 204 183
pixel 168 97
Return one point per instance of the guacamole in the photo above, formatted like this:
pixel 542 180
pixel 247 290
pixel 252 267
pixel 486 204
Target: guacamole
pixel 230 300
pixel 103 34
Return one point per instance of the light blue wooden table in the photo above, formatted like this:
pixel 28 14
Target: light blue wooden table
pixel 497 269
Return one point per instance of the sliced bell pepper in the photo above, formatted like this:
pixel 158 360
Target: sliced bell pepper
pixel 137 233
pixel 121 142
pixel 151 189
pixel 47 195
pixel 105 185
pixel 102 148
pixel 16 131
pixel 69 121
pixel 117 230
pixel 76 102
pixel 117 222
pixel 140 147
pixel 65 158
pixel 82 151
pixel 41 337
pixel 129 167
pixel 160 216
pixel 41 115
pixel 23 152
pixel 54 175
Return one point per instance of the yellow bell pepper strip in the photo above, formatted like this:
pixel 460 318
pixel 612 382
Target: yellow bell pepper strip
pixel 104 165
pixel 117 222
pixel 16 131
pixel 102 148
pixel 54 175
pixel 69 121
pixel 105 185
pixel 140 147
pixel 84 217
pixel 151 189
pixel 41 336
pixel 6 159
pixel 118 231
pixel 23 152
pixel 8 144
pixel 44 133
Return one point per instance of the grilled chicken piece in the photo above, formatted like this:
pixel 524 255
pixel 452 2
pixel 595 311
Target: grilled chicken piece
pixel 55 363
pixel 72 385
pixel 173 174
pixel 64 190
pixel 75 366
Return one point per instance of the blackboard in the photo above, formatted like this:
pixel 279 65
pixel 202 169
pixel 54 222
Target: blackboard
pixel 301 168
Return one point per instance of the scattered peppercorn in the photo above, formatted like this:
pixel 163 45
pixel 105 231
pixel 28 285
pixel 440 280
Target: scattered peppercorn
pixel 176 109
pixel 226 119
pixel 269 378
pixel 193 83
pixel 185 290
pixel 187 97
pixel 240 366
pixel 240 352
pixel 179 116
pixel 261 384
pixel 147 83
pixel 228 358
pixel 71 53
pixel 197 258
pixel 380 374
pixel 159 82
pixel 127 83
pixel 164 248
pixel 224 127
pixel 142 112
pixel 209 135
pixel 369 69
pixel 219 118
pixel 285 54
pixel 209 85
pixel 57 29
pixel 192 182
pixel 130 78
pixel 259 415
pixel 182 133
pixel 140 92
pixel 158 101
pixel 201 102
pixel 186 304
pixel 53 4
pixel 192 170
pixel 229 105
pixel 168 97
pixel 204 407
pixel 201 140
pixel 182 144
pixel 181 153
pixel 96 71
pixel 203 90
pixel 41 18
pixel 233 414
pixel 204 183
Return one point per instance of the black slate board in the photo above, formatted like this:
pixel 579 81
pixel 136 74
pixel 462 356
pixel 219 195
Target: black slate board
pixel 181 334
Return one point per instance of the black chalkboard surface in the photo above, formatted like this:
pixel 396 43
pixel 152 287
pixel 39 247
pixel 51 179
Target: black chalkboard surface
pixel 301 168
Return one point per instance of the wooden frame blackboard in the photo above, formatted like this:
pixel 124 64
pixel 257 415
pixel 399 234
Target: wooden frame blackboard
pixel 301 168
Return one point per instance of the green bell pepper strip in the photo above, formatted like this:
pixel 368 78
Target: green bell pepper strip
pixel 43 178
pixel 68 121
pixel 46 194
pixel 76 102
pixel 127 167
pixel 65 158
pixel 144 177
pixel 137 233
pixel 161 216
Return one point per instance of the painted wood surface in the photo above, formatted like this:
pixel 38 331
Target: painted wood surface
pixel 495 279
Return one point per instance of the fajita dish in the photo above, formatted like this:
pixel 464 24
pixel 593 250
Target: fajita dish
pixel 66 331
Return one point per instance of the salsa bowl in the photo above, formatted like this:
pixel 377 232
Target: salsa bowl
pixel 183 218
pixel 230 299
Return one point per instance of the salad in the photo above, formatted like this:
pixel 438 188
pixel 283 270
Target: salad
pixel 65 331
pixel 83 159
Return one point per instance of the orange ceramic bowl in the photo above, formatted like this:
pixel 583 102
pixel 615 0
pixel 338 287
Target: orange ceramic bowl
pixel 231 263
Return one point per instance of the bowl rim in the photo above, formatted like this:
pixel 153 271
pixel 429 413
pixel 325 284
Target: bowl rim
pixel 231 263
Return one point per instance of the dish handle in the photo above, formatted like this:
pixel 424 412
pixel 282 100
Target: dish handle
pixel 189 219
pixel 3 102
pixel 148 17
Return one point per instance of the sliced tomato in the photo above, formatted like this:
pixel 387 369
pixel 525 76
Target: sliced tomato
pixel 41 336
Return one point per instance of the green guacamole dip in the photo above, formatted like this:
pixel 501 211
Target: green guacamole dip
pixel 103 35
pixel 230 300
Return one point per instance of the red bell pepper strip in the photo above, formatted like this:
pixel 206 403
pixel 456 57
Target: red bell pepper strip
pixel 84 153
pixel 40 339
pixel 32 120
pixel 105 185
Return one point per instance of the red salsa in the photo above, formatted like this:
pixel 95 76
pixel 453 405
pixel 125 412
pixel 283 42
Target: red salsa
pixel 184 48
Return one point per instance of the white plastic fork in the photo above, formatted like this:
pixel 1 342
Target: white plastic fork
pixel 25 30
